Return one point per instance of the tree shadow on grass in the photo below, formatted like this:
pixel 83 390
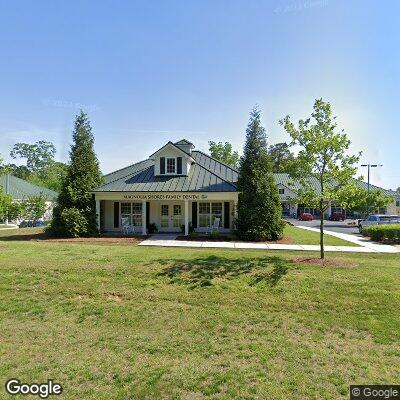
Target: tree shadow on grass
pixel 200 272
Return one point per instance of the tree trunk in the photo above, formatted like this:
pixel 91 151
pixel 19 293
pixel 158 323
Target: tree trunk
pixel 321 230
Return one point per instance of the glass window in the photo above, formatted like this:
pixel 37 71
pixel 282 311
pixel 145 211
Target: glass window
pixel 132 212
pixel 204 215
pixel 397 203
pixel 177 220
pixel 126 214
pixel 216 212
pixel 281 191
pixel 125 208
pixel 164 209
pixel 208 212
pixel 164 215
pixel 137 214
pixel 171 165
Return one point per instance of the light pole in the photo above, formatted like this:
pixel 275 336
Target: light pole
pixel 369 168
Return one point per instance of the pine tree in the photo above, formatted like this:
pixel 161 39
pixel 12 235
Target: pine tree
pixel 75 214
pixel 259 208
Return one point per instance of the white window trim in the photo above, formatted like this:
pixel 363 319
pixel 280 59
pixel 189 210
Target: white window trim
pixel 166 165
pixel 131 213
pixel 221 222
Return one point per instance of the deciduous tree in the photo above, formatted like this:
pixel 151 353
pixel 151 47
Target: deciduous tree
pixel 281 157
pixel 322 156
pixel 356 198
pixel 35 207
pixel 38 155
pixel 223 152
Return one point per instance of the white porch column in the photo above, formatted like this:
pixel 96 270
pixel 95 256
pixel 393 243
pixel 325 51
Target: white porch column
pixel 329 209
pixel 186 218
pixel 235 205
pixel 295 208
pixel 98 214
pixel 144 230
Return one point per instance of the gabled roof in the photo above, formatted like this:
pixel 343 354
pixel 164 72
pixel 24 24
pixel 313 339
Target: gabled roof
pixel 20 189
pixel 224 171
pixel 205 175
pixel 285 180
pixel 184 142
pixel 174 146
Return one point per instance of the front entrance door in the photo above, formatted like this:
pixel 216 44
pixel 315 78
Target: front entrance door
pixel 171 217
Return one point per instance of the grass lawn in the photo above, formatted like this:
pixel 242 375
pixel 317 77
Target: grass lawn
pixel 292 235
pixel 296 235
pixel 124 322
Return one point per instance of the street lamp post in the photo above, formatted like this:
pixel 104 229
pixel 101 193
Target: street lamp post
pixel 369 168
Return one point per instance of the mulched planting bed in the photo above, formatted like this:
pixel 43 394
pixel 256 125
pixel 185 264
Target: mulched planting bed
pixel 327 262
pixel 101 239
pixel 224 238
pixel 206 238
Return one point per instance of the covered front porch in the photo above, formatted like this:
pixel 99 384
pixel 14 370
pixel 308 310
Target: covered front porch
pixel 168 213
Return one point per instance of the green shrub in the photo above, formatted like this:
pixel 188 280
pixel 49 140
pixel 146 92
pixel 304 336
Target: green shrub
pixel 191 229
pixel 74 222
pixel 380 233
pixel 215 234
pixel 153 228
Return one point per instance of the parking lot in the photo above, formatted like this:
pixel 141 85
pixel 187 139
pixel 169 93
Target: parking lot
pixel 335 226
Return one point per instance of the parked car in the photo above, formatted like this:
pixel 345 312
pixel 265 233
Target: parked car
pixel 336 217
pixel 306 217
pixel 28 223
pixel 378 219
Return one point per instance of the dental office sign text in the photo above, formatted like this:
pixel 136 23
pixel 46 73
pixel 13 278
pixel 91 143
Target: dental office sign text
pixel 165 196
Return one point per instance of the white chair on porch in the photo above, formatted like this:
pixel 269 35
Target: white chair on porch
pixel 215 226
pixel 126 227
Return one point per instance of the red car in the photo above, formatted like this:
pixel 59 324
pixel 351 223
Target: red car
pixel 306 217
pixel 336 217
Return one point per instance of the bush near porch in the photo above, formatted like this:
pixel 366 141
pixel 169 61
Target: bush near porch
pixel 383 233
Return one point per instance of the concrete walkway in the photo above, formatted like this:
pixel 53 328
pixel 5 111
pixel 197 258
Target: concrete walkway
pixel 168 240
pixel 358 239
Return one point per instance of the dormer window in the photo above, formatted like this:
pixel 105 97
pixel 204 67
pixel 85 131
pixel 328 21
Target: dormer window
pixel 171 165
pixel 172 160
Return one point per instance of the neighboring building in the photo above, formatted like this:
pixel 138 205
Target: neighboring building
pixel 396 205
pixel 178 187
pixel 287 188
pixel 174 188
pixel 20 189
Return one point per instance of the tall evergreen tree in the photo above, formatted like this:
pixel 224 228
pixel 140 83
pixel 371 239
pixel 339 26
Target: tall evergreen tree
pixel 75 214
pixel 259 209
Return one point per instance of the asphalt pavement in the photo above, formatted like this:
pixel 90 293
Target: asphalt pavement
pixel 335 226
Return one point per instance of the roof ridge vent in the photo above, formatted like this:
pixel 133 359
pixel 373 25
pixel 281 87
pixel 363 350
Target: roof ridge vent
pixel 185 145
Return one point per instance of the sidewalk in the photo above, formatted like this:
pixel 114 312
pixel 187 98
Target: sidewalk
pixel 360 240
pixel 169 241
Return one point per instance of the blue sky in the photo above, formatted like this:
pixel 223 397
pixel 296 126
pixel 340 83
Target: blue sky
pixel 152 71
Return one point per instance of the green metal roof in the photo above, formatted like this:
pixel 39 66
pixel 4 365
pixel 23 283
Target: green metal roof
pixel 20 189
pixel 205 175
pixel 285 180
